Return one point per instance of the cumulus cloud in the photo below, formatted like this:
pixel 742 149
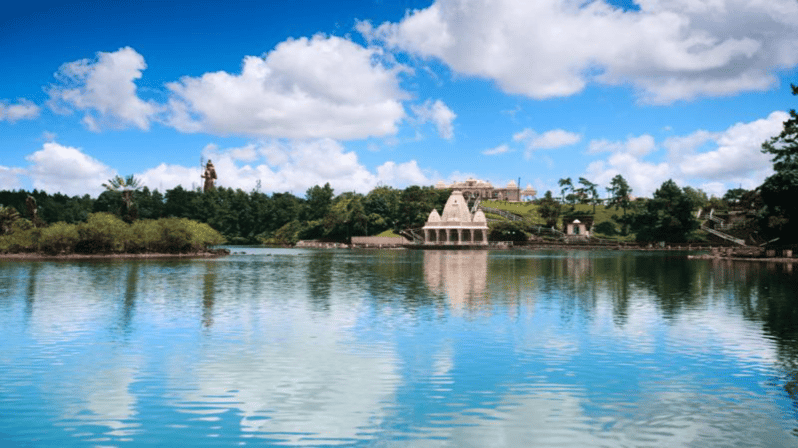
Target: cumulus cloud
pixel 288 165
pixel 439 114
pixel 57 168
pixel 408 173
pixel 22 110
pixel 668 49
pixel 323 87
pixel 714 160
pixel 556 138
pixel 105 90
pixel 738 153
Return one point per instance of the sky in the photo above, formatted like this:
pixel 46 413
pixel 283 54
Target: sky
pixel 283 96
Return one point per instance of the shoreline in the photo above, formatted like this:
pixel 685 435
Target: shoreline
pixel 214 253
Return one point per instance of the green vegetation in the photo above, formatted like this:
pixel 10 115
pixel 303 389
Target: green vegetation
pixel 779 215
pixel 389 234
pixel 667 217
pixel 104 233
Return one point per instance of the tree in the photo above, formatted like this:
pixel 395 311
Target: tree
pixel 589 189
pixel 382 207
pixel 126 186
pixel 549 209
pixel 667 217
pixel 620 193
pixel 784 147
pixel 346 217
pixel 778 192
pixel 733 196
pixel 567 185
pixel 317 202
pixel 697 196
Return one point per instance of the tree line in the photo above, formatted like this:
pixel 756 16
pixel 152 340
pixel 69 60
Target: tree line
pixel 241 217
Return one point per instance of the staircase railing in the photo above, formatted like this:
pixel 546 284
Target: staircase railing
pixel 723 235
pixel 502 213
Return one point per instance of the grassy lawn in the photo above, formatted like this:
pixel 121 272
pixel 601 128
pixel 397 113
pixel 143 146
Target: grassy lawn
pixel 530 211
pixel 389 234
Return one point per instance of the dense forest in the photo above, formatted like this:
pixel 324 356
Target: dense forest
pixel 244 217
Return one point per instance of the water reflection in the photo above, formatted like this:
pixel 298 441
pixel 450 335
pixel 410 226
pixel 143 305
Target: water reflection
pixel 131 293
pixel 436 348
pixel 461 275
pixel 208 293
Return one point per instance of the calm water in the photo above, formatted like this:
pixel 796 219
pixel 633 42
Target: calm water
pixel 399 348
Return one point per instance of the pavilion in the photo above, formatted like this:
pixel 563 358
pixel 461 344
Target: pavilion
pixel 457 226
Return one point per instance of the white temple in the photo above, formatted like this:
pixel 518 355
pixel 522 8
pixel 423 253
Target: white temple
pixel 457 226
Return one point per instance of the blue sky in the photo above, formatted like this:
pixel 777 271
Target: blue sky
pixel 366 93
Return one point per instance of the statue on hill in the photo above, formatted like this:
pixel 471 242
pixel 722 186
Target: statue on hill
pixel 209 175
pixel 33 210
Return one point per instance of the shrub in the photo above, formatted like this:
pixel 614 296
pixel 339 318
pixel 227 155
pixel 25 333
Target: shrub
pixel 59 238
pixel 102 233
pixel 144 236
pixel 179 235
pixel 21 238
pixel 606 228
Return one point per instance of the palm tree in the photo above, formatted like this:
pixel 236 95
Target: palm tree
pixel 126 186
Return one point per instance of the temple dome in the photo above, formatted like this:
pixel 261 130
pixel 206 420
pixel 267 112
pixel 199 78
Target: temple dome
pixel 456 209
pixel 434 216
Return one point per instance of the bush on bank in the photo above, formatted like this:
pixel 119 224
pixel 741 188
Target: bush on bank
pixel 105 233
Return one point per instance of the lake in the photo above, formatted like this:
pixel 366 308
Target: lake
pixel 285 347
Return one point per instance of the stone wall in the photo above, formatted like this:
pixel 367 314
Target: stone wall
pixel 378 241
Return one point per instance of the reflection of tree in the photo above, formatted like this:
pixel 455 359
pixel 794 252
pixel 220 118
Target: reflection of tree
pixel 30 291
pixel 319 275
pixel 208 293
pixel 131 291
pixel 460 275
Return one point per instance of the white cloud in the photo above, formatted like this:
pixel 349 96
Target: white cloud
pixel 57 168
pixel 644 177
pixel 289 165
pixel 402 174
pixel 22 110
pixel 323 87
pixel 669 49
pixel 555 138
pixel 105 90
pixel 166 176
pixel 10 178
pixel 715 161
pixel 738 154
pixel 438 113
pixel 638 146
pixel 501 149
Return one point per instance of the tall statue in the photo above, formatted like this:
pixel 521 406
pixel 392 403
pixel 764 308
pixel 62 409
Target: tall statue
pixel 209 175
pixel 33 210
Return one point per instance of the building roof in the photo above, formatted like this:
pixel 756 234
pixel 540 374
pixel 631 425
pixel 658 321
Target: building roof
pixel 456 209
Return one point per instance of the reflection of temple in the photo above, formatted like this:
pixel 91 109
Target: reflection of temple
pixel 480 189
pixel 461 275
pixel 457 226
